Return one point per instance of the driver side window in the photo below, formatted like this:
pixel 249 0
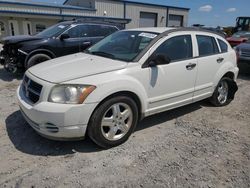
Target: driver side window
pixel 176 48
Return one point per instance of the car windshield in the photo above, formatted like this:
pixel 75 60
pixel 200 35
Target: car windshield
pixel 122 45
pixel 53 30
pixel 242 34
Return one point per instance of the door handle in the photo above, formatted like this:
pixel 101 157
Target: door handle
pixel 86 43
pixel 190 66
pixel 219 60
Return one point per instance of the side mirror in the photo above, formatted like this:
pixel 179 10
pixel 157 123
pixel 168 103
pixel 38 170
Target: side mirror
pixel 64 36
pixel 158 59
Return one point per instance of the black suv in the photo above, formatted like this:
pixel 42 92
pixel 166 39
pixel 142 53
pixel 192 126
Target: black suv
pixel 22 52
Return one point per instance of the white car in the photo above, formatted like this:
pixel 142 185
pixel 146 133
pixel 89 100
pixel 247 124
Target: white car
pixel 127 76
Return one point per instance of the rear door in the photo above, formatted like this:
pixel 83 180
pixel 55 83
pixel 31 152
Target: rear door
pixel 209 62
pixel 172 85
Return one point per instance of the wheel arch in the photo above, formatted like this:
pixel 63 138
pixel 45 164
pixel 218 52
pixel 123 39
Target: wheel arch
pixel 127 93
pixel 38 51
pixel 226 70
pixel 233 88
pixel 230 75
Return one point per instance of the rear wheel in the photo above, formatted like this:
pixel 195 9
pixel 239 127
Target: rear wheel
pixel 221 94
pixel 36 59
pixel 113 121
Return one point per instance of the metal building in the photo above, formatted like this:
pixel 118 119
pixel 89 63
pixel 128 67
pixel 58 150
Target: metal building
pixel 20 17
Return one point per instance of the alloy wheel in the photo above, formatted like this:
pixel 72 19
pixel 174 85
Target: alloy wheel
pixel 222 92
pixel 116 121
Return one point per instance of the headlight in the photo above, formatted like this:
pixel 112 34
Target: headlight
pixel 70 94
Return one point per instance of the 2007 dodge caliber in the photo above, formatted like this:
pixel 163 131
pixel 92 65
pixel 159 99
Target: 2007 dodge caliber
pixel 131 74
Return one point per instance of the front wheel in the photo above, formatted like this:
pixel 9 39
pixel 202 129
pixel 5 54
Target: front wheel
pixel 113 121
pixel 36 59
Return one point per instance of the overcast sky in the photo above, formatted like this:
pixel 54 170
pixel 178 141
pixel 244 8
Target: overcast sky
pixel 207 12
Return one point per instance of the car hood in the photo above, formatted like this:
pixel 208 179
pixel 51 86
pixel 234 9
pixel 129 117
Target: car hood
pixel 74 66
pixel 19 38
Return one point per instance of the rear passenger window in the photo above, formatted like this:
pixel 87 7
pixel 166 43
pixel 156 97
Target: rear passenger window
pixel 78 31
pixel 107 30
pixel 102 30
pixel 177 48
pixel 223 46
pixel 207 45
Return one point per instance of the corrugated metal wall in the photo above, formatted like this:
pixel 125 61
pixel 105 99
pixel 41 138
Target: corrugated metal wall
pixel 104 8
pixel 72 12
pixel 133 12
pixel 111 8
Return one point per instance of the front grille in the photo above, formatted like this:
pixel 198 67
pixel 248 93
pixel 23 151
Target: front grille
pixel 31 89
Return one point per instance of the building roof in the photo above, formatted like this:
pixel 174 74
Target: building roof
pixel 42 4
pixel 57 13
pixel 141 3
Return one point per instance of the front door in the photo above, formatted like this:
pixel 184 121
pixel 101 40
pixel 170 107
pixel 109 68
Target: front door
pixel 13 28
pixel 79 39
pixel 172 85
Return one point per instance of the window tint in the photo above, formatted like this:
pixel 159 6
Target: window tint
pixel 101 30
pixel 123 45
pixel 177 48
pixel 78 31
pixel 107 30
pixel 40 28
pixel 207 45
pixel 223 46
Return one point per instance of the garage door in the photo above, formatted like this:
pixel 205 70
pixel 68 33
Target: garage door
pixel 148 19
pixel 175 20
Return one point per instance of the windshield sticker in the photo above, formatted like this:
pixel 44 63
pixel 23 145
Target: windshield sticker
pixel 61 26
pixel 148 35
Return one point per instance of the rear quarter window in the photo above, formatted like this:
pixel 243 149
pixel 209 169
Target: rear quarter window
pixel 223 46
pixel 207 45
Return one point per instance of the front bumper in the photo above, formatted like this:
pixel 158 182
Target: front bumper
pixel 56 121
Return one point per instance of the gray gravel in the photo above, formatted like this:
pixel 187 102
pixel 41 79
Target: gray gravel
pixel 193 146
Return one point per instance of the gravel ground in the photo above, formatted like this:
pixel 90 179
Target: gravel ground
pixel 194 146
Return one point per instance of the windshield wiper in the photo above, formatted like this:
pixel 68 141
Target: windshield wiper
pixel 103 54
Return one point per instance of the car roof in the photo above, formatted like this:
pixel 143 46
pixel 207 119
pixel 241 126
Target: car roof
pixel 152 29
pixel 168 30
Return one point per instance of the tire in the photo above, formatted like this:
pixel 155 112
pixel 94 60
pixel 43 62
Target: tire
pixel 36 59
pixel 220 96
pixel 113 121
